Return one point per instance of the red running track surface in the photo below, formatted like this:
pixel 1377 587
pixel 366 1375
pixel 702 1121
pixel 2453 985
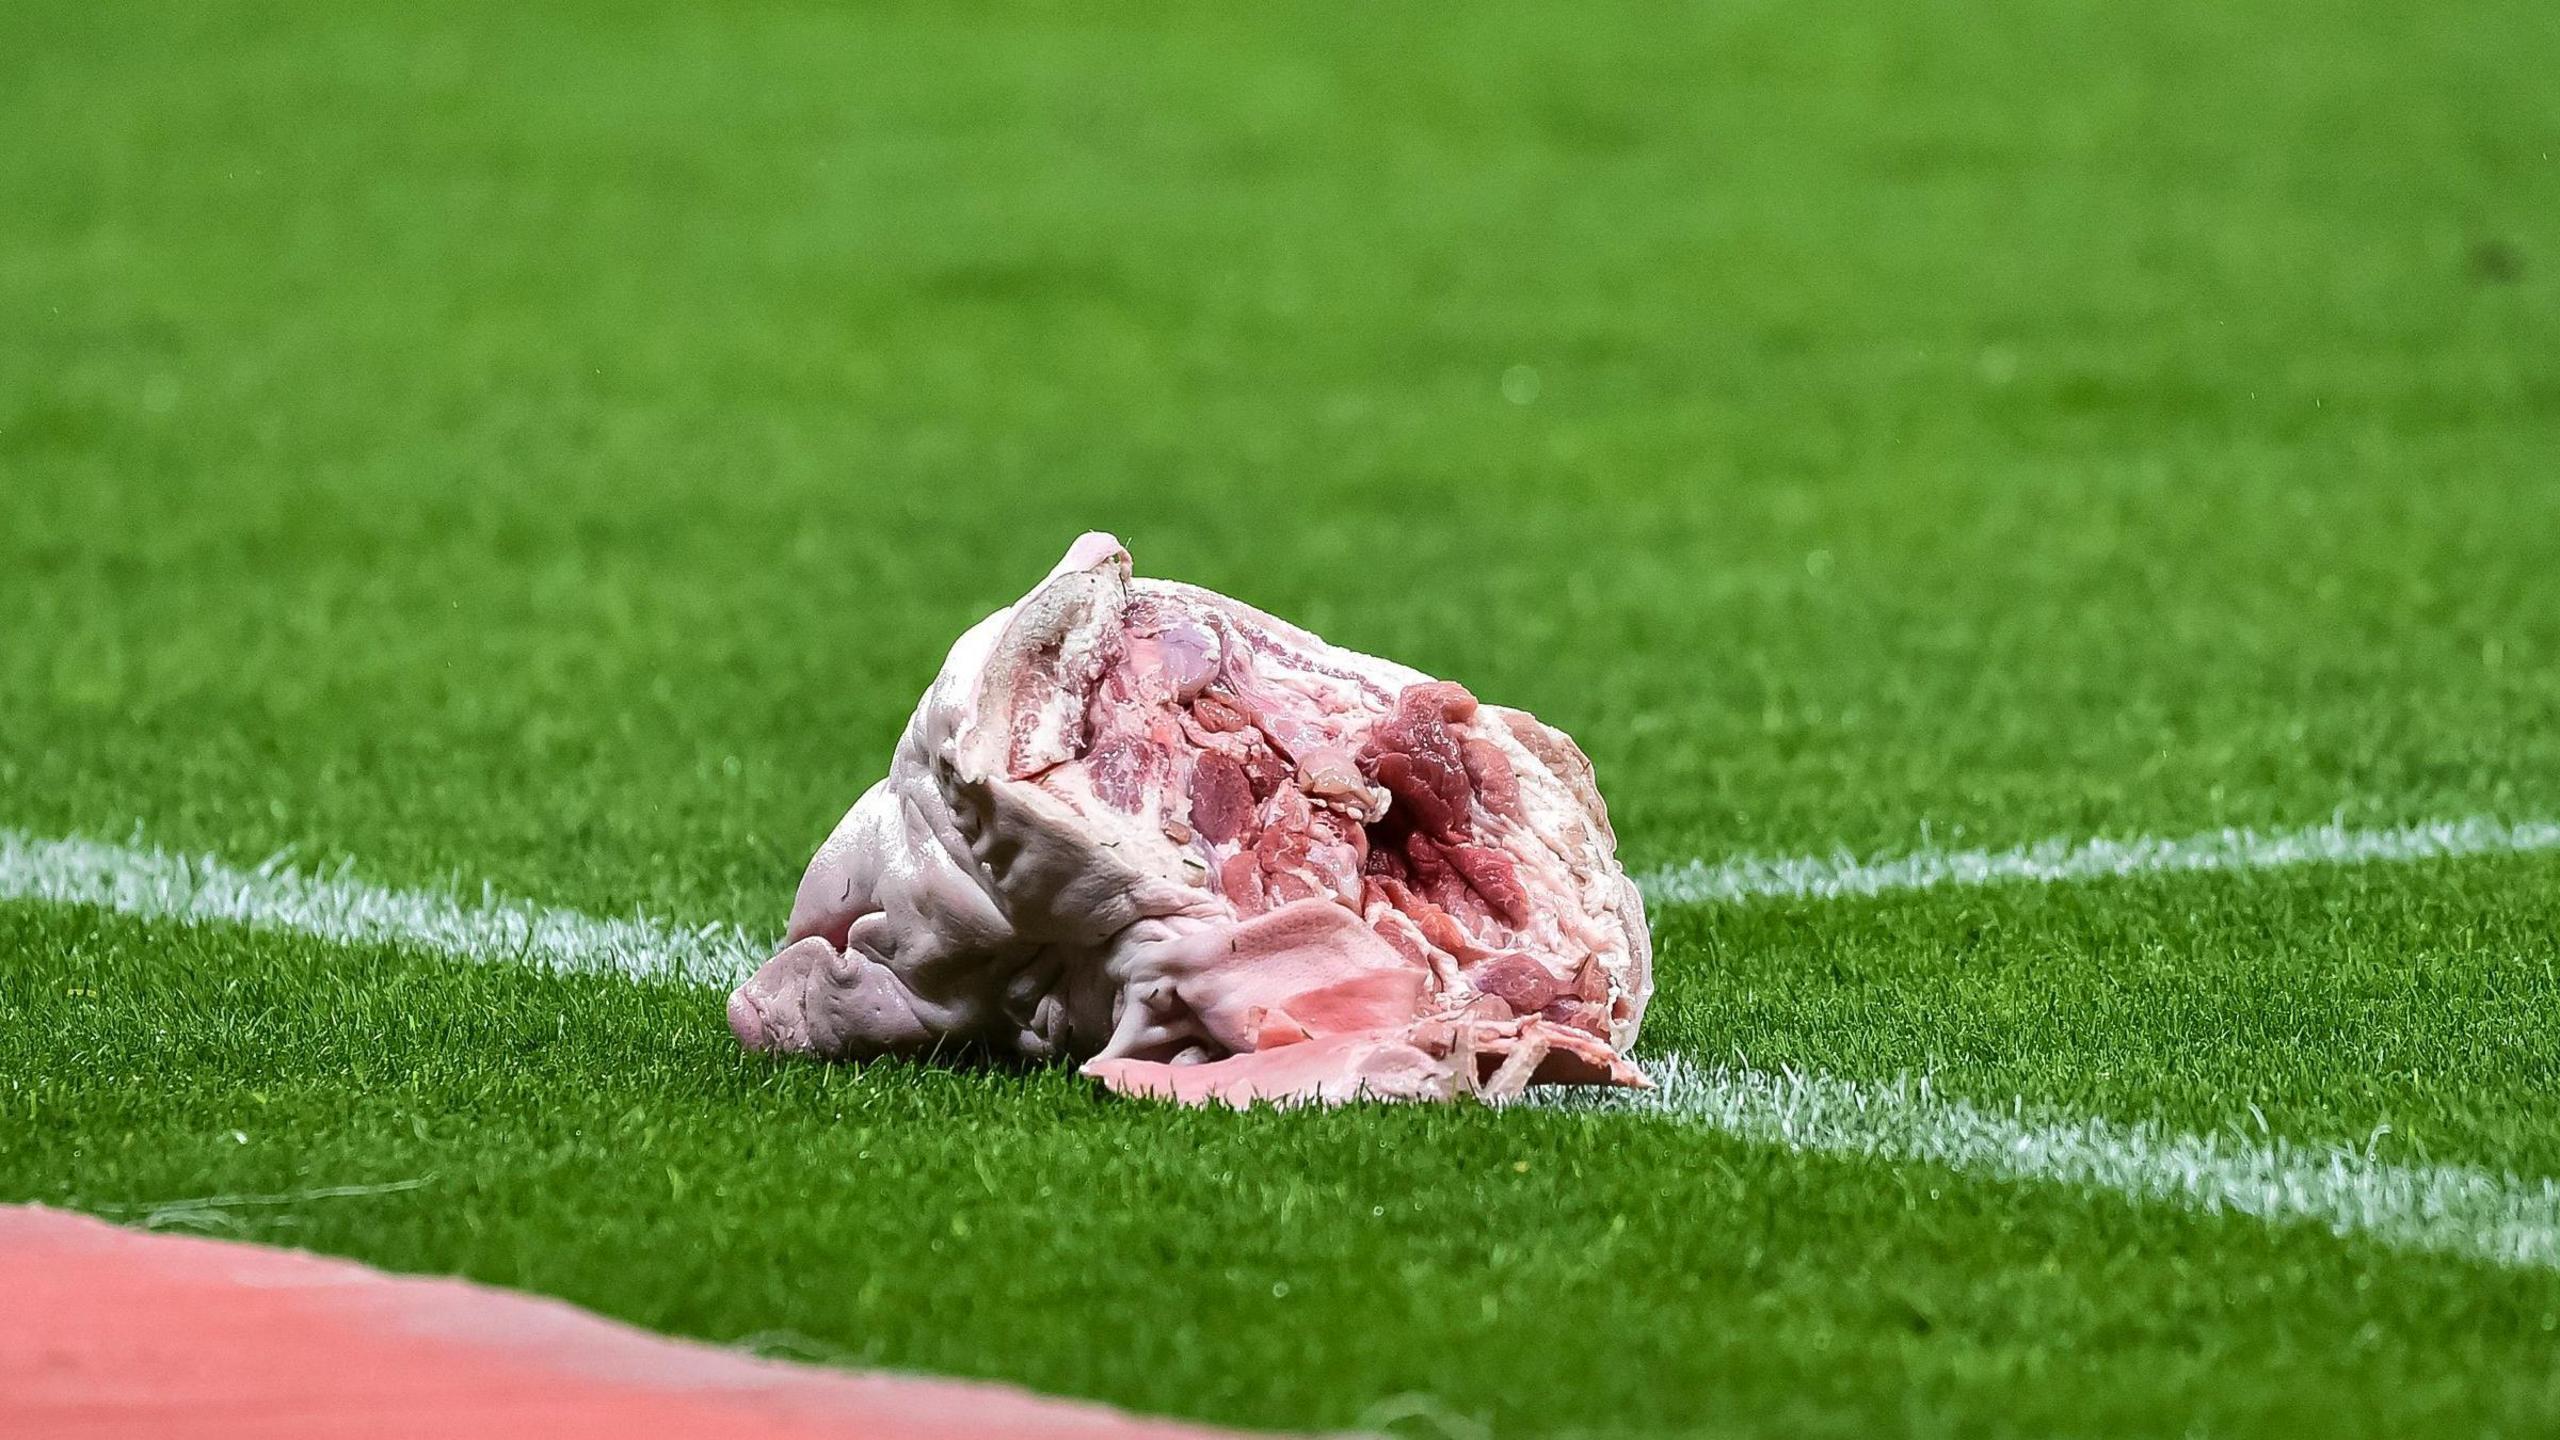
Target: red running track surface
pixel 108 1332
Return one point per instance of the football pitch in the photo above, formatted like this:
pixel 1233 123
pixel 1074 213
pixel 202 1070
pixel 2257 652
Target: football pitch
pixel 2046 519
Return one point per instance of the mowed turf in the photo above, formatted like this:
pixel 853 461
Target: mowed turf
pixel 1534 1273
pixel 552 446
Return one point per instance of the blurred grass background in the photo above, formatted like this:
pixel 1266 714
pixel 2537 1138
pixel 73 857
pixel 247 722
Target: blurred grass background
pixel 558 441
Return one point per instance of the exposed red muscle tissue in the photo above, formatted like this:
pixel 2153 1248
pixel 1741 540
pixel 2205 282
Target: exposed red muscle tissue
pixel 1140 825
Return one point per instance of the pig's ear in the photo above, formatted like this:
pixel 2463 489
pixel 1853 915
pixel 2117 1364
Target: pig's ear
pixel 1093 550
pixel 1028 711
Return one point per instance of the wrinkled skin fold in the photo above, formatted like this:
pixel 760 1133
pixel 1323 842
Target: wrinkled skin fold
pixel 1142 826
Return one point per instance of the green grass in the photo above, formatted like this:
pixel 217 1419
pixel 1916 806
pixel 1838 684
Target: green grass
pixel 552 445
pixel 2419 998
pixel 1542 1273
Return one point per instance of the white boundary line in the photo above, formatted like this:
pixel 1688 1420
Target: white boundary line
pixel 2046 862
pixel 2447 1210
pixel 154 884
pixel 2436 1209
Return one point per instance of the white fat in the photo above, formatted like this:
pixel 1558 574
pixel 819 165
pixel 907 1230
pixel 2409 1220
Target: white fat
pixel 1136 840
pixel 1557 839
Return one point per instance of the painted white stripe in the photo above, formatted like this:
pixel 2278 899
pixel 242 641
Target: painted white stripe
pixel 154 884
pixel 214 1212
pixel 2438 1209
pixel 2045 862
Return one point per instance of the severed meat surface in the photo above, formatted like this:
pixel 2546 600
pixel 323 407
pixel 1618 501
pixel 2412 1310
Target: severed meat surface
pixel 1140 825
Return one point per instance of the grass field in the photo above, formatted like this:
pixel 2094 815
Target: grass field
pixel 550 447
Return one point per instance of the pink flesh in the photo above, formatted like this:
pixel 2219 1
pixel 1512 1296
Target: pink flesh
pixel 111 1333
pixel 1432 1060
pixel 1370 1065
pixel 1266 779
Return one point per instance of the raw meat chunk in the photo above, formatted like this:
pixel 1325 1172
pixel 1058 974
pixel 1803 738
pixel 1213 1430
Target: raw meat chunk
pixel 1142 826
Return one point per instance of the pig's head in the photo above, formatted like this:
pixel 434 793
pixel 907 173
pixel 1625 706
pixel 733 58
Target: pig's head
pixel 1140 822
